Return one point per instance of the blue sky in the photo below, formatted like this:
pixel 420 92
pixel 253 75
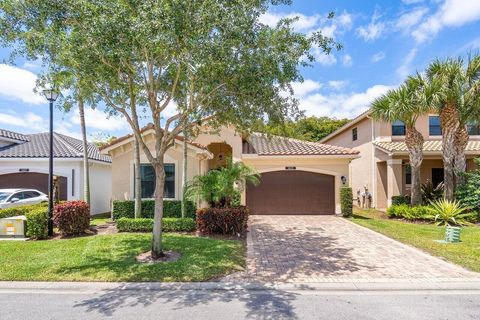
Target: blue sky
pixel 383 41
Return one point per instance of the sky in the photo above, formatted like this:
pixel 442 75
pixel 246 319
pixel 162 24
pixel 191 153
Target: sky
pixel 383 42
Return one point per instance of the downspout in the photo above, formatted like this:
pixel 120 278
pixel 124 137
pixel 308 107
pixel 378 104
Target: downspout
pixel 374 182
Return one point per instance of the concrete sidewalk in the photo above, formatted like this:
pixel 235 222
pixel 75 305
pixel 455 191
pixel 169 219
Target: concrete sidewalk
pixel 85 287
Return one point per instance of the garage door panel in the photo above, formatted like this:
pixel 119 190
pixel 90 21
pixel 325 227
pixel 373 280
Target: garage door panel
pixel 31 180
pixel 292 192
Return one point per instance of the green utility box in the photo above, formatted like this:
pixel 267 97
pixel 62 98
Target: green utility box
pixel 452 234
pixel 13 227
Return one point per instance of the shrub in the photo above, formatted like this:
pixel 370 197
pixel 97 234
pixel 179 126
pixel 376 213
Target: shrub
pixel 446 212
pixel 468 193
pixel 430 192
pixel 171 209
pixel 72 217
pixel 346 201
pixel 400 200
pixel 20 210
pixel 146 225
pixel 37 218
pixel 222 220
pixel 407 212
pixel 37 223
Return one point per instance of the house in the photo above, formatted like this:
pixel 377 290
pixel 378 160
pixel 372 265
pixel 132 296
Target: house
pixel 383 165
pixel 297 177
pixel 24 164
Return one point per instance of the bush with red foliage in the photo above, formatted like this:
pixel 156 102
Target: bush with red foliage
pixel 222 220
pixel 72 217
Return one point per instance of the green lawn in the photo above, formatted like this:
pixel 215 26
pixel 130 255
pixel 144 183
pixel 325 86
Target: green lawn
pixel 99 221
pixel 112 258
pixel 466 253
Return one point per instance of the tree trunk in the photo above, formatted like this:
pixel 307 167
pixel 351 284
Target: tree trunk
pixel 185 164
pixel 449 121
pixel 157 249
pixel 414 141
pixel 138 179
pixel 86 168
pixel 460 163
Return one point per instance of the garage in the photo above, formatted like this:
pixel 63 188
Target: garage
pixel 31 180
pixel 292 192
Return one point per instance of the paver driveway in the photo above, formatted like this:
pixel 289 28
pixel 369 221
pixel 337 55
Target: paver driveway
pixel 330 249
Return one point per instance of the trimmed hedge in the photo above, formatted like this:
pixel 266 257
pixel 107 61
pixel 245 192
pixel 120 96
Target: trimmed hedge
pixel 72 217
pixel 171 209
pixel 37 218
pixel 146 225
pixel 404 211
pixel 222 220
pixel 400 200
pixel 346 201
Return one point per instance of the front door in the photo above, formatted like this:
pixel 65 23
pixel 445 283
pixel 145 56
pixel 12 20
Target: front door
pixel 437 176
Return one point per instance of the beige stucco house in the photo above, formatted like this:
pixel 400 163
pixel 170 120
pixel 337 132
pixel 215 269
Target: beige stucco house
pixel 297 177
pixel 383 163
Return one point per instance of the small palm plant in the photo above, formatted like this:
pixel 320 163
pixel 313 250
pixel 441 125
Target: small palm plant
pixel 446 213
pixel 220 187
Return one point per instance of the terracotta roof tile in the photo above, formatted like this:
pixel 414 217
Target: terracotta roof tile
pixel 275 145
pixel 428 145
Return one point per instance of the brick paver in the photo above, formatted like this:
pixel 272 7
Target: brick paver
pixel 330 249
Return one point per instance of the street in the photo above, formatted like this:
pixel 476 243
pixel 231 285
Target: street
pixel 132 302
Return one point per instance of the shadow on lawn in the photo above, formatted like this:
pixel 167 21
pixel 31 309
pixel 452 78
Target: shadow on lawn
pixel 261 302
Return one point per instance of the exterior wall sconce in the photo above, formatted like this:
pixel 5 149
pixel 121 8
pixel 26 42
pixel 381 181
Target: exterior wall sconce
pixel 344 180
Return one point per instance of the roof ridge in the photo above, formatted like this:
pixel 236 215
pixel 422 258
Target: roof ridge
pixel 314 143
pixel 62 139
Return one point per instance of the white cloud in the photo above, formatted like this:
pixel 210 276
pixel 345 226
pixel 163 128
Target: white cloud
pixel 97 119
pixel 18 84
pixel 303 23
pixel 452 13
pixel 347 60
pixel 411 18
pixel 324 59
pixel 341 105
pixel 406 67
pixel 378 56
pixel 412 1
pixel 373 30
pixel 337 84
pixel 301 89
pixel 29 120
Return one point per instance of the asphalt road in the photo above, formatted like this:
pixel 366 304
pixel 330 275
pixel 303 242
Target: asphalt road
pixel 118 303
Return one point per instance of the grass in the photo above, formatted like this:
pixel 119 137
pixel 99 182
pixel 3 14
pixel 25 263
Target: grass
pixel 112 258
pixel 466 253
pixel 98 221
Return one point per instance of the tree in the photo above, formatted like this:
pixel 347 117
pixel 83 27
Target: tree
pixel 407 103
pixel 185 170
pixel 86 167
pixel 138 178
pixel 304 128
pixel 139 56
pixel 458 105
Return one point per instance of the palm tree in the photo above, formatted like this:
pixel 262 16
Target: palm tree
pixel 86 168
pixel 406 104
pixel 185 169
pixel 459 88
pixel 220 187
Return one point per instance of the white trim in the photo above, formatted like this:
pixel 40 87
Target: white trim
pixel 35 159
pixel 394 161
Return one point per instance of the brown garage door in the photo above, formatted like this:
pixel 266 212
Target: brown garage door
pixel 31 180
pixel 292 192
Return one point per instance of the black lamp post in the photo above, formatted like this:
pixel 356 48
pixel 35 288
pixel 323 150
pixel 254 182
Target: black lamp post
pixel 51 95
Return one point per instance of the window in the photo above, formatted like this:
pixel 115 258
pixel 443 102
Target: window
pixel 437 176
pixel 148 181
pixel 434 126
pixel 473 129
pixel 30 194
pixel 354 134
pixel 398 128
pixel 408 174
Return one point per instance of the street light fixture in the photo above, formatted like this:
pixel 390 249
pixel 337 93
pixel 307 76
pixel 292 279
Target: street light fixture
pixel 51 95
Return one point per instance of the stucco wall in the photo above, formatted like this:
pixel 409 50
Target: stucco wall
pixel 337 167
pixel 225 134
pixel 361 169
pixel 123 169
pixel 100 187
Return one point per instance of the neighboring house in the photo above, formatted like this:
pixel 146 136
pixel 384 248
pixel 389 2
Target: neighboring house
pixel 297 177
pixel 24 164
pixel 383 166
